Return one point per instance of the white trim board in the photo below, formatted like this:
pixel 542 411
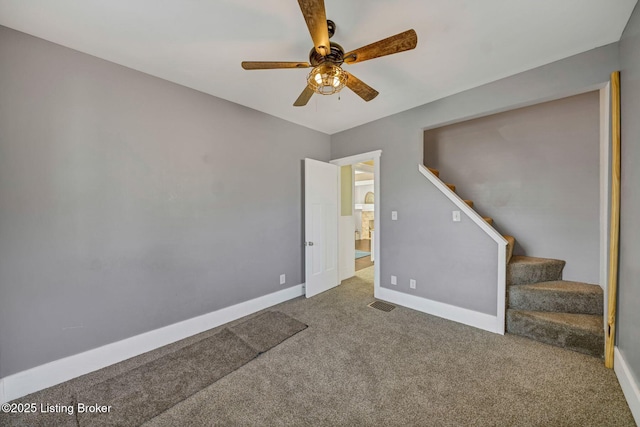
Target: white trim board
pixel 628 383
pixel 476 319
pixel 357 158
pixel 58 371
pixel 501 306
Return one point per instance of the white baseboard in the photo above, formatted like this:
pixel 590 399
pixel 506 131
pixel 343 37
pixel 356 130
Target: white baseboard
pixel 628 383
pixel 58 371
pixel 476 319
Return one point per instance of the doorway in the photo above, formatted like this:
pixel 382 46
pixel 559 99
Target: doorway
pixel 348 225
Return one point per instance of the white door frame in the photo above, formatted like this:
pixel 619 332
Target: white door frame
pixel 375 156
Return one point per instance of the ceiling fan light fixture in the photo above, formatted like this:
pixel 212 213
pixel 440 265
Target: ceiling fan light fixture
pixel 327 79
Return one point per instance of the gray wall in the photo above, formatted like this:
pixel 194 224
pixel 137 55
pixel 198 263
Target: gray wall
pixel 124 202
pixel 418 247
pixel 461 270
pixel 535 171
pixel 629 279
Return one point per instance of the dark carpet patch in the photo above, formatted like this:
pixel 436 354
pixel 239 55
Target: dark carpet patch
pixel 267 330
pixel 140 394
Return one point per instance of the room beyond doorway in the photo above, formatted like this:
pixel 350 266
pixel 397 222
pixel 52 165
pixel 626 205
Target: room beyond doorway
pixel 363 213
pixel 365 261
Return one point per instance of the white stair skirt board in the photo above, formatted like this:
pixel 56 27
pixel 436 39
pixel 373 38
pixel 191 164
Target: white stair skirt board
pixel 476 319
pixel 58 371
pixel 629 384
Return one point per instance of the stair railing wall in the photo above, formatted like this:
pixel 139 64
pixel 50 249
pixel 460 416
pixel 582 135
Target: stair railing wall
pixel 490 231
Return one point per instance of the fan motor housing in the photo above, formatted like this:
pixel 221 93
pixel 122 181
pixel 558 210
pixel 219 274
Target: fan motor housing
pixel 336 56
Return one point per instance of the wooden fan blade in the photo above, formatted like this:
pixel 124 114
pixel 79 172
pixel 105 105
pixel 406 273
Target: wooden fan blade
pixel 361 89
pixel 272 65
pixel 316 17
pixel 304 97
pixel 394 44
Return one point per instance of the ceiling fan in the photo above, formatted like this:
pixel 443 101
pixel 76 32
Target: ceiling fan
pixel 326 58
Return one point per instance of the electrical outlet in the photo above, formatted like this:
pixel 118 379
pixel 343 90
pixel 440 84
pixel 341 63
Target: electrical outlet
pixel 283 279
pixel 394 215
pixel 412 283
pixel 394 280
pixel 456 216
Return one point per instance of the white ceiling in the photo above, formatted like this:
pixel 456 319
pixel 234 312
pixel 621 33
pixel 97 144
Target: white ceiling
pixel 200 44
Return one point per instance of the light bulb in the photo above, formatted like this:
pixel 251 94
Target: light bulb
pixel 318 78
pixel 336 82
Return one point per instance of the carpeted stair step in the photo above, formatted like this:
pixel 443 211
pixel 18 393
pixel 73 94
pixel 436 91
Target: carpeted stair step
pixel 436 172
pixel 583 333
pixel 488 220
pixel 469 202
pixel 511 242
pixel 560 296
pixel 523 270
pixel 452 187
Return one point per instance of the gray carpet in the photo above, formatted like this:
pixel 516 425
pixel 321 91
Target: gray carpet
pixel 357 366
pixel 139 394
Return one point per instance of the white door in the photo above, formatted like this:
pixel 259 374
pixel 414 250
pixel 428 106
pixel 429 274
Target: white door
pixel 321 226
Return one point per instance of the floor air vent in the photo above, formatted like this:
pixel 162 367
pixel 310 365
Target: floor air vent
pixel 382 306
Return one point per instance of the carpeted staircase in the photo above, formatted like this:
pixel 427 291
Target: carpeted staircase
pixel 543 307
